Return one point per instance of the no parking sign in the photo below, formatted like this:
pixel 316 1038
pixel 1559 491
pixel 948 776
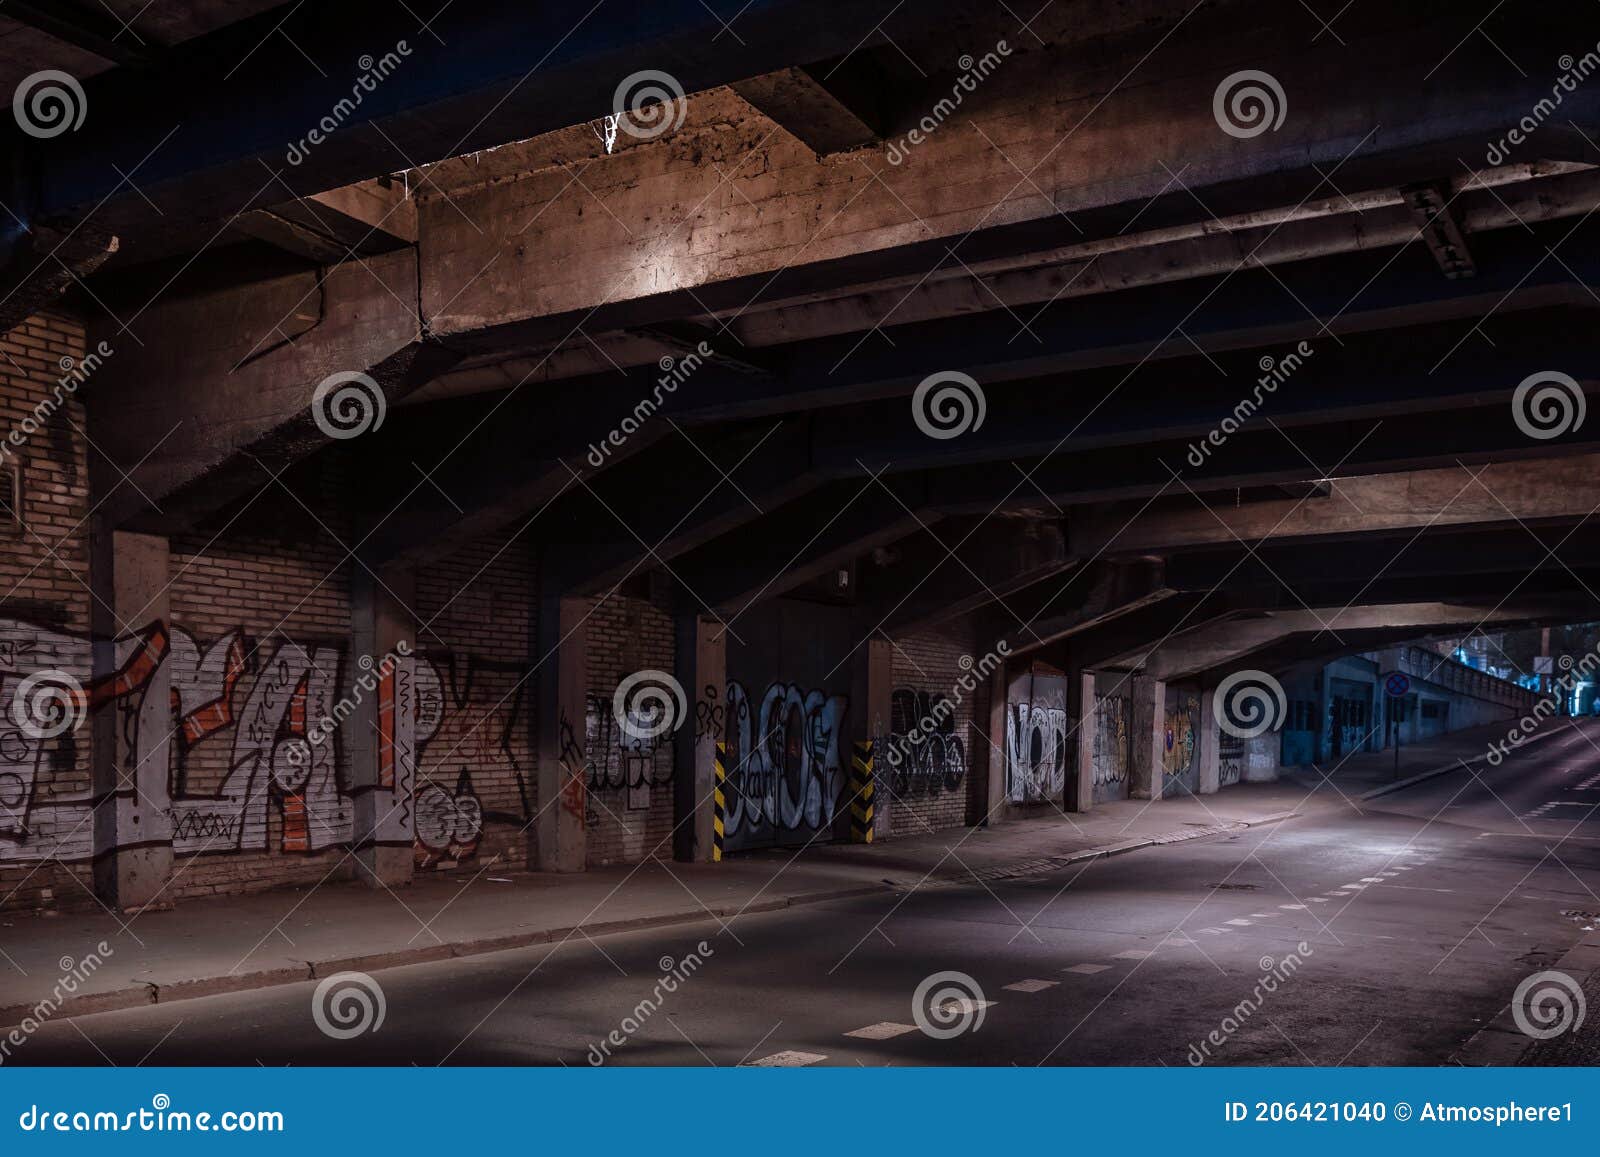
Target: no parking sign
pixel 1396 684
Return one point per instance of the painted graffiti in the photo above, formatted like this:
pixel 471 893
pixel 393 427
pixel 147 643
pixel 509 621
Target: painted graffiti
pixel 1036 751
pixel 217 748
pixel 621 757
pixel 785 767
pixel 1112 750
pixel 923 760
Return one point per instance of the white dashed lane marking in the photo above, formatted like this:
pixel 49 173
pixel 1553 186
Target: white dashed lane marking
pixel 1131 954
pixel 883 1030
pixel 788 1059
pixel 1030 985
pixel 1088 969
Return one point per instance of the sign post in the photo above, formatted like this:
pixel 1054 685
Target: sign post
pixel 1395 686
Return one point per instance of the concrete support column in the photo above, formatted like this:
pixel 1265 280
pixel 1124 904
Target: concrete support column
pixel 560 832
pixel 1208 745
pixel 130 766
pixel 1147 727
pixel 999 726
pixel 1080 792
pixel 381 741
pixel 701 666
pixel 871 693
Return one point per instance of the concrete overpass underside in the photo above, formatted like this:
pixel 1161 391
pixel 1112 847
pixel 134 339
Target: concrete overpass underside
pixel 956 396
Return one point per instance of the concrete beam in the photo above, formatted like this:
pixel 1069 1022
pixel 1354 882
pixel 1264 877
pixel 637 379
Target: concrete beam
pixel 1497 494
pixel 213 392
pixel 1210 647
pixel 884 221
pixel 830 107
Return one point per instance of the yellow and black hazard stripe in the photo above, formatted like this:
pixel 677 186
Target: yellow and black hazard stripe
pixel 719 802
pixel 861 791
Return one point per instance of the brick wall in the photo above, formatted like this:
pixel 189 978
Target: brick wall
pixel 44 569
pixel 272 587
pixel 935 784
pixel 630 790
pixel 475 624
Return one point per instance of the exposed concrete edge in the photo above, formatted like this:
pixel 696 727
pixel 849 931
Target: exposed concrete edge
pixel 1455 765
pixel 149 992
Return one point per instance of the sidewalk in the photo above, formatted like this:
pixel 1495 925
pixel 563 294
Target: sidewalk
pixel 233 943
pixel 1371 774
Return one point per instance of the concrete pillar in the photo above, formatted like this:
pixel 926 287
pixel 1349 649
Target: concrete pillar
pixel 130 767
pixel 1147 728
pixel 999 725
pixel 871 694
pixel 1080 792
pixel 701 666
pixel 381 741
pixel 1208 745
pixel 560 833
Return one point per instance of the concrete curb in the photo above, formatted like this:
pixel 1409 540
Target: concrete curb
pixel 148 992
pixel 1455 765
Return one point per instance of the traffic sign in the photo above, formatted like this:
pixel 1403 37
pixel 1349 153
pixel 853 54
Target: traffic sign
pixel 1396 684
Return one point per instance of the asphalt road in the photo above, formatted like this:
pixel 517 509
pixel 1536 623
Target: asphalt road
pixel 1388 936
